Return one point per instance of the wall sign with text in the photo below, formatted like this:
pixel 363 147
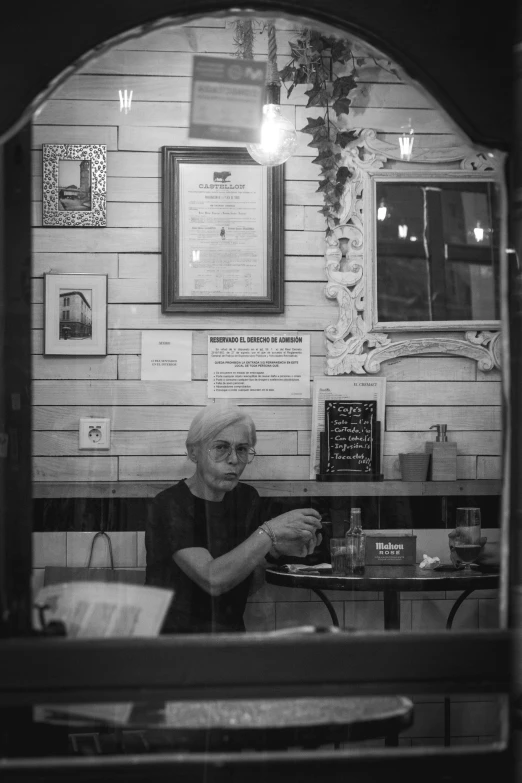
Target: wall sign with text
pixel 222 234
pixel 350 444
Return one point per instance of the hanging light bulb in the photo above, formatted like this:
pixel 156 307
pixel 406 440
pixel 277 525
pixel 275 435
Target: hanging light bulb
pixel 479 232
pixel 278 136
pixel 403 230
pixel 125 100
pixel 382 211
pixel 406 140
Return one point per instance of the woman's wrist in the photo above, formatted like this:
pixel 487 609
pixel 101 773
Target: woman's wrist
pixel 267 529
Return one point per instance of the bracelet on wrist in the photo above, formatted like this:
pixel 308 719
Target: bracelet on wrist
pixel 265 527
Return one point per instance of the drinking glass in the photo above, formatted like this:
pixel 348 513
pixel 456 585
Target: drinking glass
pixel 467 542
pixel 339 554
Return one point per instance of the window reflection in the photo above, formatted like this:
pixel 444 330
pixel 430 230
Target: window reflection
pixel 437 252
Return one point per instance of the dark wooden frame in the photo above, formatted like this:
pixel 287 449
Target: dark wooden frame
pixel 171 301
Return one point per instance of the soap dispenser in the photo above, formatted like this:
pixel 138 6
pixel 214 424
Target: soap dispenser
pixel 443 463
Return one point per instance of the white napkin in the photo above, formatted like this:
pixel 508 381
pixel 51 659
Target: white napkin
pixel 429 562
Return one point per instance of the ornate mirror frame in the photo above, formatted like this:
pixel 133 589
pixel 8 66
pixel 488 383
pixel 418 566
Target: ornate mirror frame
pixel 357 342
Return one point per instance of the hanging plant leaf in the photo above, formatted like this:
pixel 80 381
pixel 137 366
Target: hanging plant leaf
pixel 316 97
pixel 324 186
pixel 341 51
pixel 313 124
pixel 314 61
pixel 342 106
pixel 345 137
pixel 343 175
pixel 343 85
pixel 324 157
pixel 287 73
pixel 324 210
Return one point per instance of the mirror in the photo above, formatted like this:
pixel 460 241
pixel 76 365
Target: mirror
pixel 437 253
pixel 417 249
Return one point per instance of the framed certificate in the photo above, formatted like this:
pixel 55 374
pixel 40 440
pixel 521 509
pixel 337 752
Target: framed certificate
pixel 222 248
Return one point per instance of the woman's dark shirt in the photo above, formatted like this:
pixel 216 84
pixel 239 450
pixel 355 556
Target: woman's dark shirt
pixel 179 520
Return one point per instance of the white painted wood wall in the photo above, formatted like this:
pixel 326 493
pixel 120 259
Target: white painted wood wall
pixel 149 419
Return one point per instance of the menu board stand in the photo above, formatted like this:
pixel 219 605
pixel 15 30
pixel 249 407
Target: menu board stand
pixel 350 447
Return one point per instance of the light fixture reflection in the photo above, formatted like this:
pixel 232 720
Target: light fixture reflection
pixel 125 100
pixel 403 230
pixel 278 138
pixel 382 211
pixel 479 232
pixel 406 140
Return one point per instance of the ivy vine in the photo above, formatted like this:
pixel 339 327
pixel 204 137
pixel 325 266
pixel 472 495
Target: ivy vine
pixel 320 61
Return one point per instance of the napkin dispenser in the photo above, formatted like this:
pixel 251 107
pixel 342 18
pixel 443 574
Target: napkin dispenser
pixel 391 549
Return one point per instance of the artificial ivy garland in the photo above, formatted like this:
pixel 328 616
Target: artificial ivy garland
pixel 315 60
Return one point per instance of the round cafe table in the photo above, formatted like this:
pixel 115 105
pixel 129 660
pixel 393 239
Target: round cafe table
pixel 258 724
pixel 391 581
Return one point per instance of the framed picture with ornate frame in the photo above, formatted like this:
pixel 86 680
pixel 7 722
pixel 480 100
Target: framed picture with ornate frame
pixel 222 248
pixel 74 185
pixel 75 315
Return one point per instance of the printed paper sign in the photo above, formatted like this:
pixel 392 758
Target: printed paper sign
pixel 166 356
pixel 254 365
pixel 227 99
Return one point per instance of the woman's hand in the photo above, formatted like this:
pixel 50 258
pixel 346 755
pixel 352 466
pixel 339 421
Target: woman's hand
pixel 489 555
pixel 297 532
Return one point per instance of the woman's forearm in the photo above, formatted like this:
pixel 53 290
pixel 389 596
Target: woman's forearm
pixel 219 575
pixel 227 571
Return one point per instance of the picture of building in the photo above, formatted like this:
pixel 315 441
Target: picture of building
pixel 75 315
pixel 74 185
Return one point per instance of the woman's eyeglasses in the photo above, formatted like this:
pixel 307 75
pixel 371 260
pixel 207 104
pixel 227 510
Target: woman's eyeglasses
pixel 222 450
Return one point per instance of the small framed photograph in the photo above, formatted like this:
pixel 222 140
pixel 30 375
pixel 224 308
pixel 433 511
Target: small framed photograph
pixel 75 315
pixel 74 185
pixel 222 240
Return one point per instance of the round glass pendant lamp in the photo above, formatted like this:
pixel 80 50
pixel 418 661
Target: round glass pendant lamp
pixel 278 138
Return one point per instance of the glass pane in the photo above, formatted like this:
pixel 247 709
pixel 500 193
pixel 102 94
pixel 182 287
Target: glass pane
pixel 437 252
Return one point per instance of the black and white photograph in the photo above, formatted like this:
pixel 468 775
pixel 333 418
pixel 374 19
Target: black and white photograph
pixel 74 185
pixel 75 315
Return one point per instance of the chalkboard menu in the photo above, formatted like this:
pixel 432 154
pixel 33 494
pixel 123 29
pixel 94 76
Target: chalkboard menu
pixel 351 442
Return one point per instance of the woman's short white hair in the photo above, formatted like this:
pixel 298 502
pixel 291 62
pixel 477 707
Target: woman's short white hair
pixel 213 419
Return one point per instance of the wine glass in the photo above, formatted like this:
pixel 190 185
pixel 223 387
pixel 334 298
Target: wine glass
pixel 468 543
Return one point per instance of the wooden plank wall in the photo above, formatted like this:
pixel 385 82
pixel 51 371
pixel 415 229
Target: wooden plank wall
pixel 149 420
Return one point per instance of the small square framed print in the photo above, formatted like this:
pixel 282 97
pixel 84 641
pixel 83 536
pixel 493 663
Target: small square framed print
pixel 75 315
pixel 74 185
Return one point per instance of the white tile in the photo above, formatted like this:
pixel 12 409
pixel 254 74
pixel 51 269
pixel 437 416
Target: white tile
pixel 49 549
pixel 292 614
pixel 346 595
pixel 432 615
pixel 475 719
pixel 489 613
pixel 364 615
pixel 142 555
pixel 37 580
pixel 124 549
pixel 260 617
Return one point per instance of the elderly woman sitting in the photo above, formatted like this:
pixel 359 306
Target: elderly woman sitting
pixel 205 535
